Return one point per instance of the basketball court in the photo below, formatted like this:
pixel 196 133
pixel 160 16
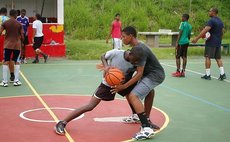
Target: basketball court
pixel 187 109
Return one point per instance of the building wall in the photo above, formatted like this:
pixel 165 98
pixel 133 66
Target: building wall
pixel 32 6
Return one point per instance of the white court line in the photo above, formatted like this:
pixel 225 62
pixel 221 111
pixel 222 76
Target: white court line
pixel 194 72
pixel 22 114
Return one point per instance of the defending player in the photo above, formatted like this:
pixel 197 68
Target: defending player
pixel 149 75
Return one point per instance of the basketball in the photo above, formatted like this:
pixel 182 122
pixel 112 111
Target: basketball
pixel 206 36
pixel 114 77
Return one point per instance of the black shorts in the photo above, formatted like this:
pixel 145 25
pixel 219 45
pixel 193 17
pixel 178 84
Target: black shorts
pixel 8 54
pixel 103 92
pixel 212 52
pixel 37 42
pixel 181 50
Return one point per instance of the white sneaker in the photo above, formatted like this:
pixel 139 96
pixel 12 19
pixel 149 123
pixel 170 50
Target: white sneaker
pixel 17 83
pixel 131 119
pixel 4 84
pixel 25 62
pixel 145 133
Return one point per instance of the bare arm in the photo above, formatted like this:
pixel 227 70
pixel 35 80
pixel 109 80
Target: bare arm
pixel 111 29
pixel 104 62
pixel 178 38
pixel 34 32
pixel 205 30
pixel 136 77
pixel 22 34
pixel 222 34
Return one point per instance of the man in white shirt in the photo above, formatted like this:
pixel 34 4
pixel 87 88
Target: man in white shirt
pixel 37 38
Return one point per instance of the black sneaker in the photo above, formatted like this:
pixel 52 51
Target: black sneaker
pixel 222 77
pixel 207 77
pixel 154 126
pixel 45 58
pixel 35 61
pixel 60 128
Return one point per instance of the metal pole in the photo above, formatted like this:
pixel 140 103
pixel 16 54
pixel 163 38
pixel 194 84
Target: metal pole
pixel 42 7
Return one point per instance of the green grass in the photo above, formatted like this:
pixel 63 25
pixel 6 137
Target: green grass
pixel 93 49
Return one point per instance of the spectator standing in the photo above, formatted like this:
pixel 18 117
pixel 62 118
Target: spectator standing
pixel 37 38
pixel 215 27
pixel 115 32
pixel 25 24
pixel 3 18
pixel 12 46
pixel 182 45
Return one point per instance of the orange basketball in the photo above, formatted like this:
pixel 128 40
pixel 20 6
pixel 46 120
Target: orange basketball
pixel 114 77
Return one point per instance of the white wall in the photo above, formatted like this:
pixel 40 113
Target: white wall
pixel 32 6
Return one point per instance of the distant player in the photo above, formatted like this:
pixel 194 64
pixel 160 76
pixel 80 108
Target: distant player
pixel 38 38
pixel 215 27
pixel 3 18
pixel 24 20
pixel 182 44
pixel 12 46
pixel 115 32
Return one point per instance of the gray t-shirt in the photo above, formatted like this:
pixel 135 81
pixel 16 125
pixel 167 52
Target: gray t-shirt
pixel 152 68
pixel 116 59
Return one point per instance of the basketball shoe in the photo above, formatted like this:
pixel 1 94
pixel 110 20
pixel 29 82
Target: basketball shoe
pixel 222 77
pixel 35 61
pixel 131 119
pixel 17 83
pixel 145 133
pixel 206 77
pixel 60 127
pixel 4 84
pixel 176 74
pixel 46 58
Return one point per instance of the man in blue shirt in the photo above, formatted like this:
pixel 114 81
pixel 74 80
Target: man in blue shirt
pixel 25 24
pixel 213 44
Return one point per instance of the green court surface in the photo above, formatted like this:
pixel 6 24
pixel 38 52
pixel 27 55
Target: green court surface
pixel 198 110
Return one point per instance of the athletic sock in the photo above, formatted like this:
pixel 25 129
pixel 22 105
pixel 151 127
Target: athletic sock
pixel 221 70
pixel 208 71
pixel 5 69
pixel 16 71
pixel 144 121
pixel 12 74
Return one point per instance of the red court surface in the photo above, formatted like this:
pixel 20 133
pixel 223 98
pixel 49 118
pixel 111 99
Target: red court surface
pixel 86 129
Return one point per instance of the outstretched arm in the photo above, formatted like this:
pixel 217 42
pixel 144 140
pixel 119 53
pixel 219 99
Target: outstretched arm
pixel 203 32
pixel 110 32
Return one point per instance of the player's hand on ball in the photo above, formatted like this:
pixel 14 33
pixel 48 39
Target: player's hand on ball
pixel 117 88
